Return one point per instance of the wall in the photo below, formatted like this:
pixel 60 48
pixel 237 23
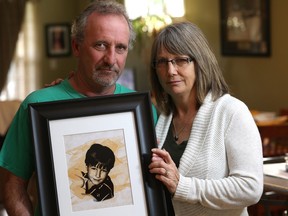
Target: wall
pixel 262 83
pixel 259 82
pixel 49 12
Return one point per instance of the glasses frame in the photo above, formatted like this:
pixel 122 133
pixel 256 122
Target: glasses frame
pixel 173 61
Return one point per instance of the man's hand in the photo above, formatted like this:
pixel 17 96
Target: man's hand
pixel 54 82
pixel 59 80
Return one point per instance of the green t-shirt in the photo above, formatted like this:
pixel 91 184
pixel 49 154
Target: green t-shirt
pixel 17 153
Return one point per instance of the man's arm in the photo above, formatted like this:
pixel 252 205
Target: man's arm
pixel 16 198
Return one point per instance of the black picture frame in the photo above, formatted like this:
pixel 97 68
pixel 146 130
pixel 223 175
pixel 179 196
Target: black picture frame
pixel 57 37
pixel 245 27
pixel 50 123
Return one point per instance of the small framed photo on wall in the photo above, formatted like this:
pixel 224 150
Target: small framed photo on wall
pixel 245 27
pixel 58 40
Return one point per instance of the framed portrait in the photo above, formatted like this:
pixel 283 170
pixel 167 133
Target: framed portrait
pixel 245 27
pixel 92 156
pixel 58 39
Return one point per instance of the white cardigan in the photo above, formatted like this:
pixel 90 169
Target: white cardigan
pixel 221 170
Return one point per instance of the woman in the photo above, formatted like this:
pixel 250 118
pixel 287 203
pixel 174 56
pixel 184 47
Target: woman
pixel 210 153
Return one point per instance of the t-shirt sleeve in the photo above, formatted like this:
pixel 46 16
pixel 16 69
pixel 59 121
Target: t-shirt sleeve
pixel 17 153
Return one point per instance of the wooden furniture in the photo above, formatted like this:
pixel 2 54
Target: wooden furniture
pixel 275 184
pixel 275 196
pixel 283 111
pixel 274 200
pixel 274 139
pixel 276 177
pixel 275 145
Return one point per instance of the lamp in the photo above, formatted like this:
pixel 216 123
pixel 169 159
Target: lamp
pixel 149 16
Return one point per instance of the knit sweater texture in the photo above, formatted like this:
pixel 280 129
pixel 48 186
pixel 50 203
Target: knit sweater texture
pixel 221 169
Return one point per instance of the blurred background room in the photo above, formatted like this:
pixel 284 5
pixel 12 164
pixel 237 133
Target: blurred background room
pixel 247 36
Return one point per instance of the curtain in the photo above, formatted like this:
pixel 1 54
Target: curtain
pixel 11 18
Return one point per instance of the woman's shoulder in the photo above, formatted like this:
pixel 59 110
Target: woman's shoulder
pixel 232 106
pixel 225 102
pixel 230 101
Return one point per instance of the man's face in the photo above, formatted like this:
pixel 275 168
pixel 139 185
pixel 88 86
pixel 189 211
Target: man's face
pixel 102 54
pixel 96 174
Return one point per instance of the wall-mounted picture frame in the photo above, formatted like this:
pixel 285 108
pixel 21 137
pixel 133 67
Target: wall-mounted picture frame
pixel 57 36
pixel 245 27
pixel 64 132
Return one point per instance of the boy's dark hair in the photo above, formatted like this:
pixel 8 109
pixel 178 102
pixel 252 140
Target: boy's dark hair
pixel 98 153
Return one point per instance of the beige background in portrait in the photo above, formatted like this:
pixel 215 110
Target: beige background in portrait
pixel 119 128
pixel 77 146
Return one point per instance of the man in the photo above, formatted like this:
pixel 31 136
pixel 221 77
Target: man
pixel 101 37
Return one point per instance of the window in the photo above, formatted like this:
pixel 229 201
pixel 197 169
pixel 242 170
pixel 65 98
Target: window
pixel 153 15
pixel 173 8
pixel 22 77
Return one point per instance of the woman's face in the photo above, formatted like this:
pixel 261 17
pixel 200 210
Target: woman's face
pixel 176 73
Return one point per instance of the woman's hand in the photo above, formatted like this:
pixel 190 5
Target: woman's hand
pixel 164 169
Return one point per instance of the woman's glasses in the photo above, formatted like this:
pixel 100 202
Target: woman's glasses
pixel 178 62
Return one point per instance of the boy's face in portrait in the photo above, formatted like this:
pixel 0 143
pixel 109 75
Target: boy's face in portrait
pixel 97 173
